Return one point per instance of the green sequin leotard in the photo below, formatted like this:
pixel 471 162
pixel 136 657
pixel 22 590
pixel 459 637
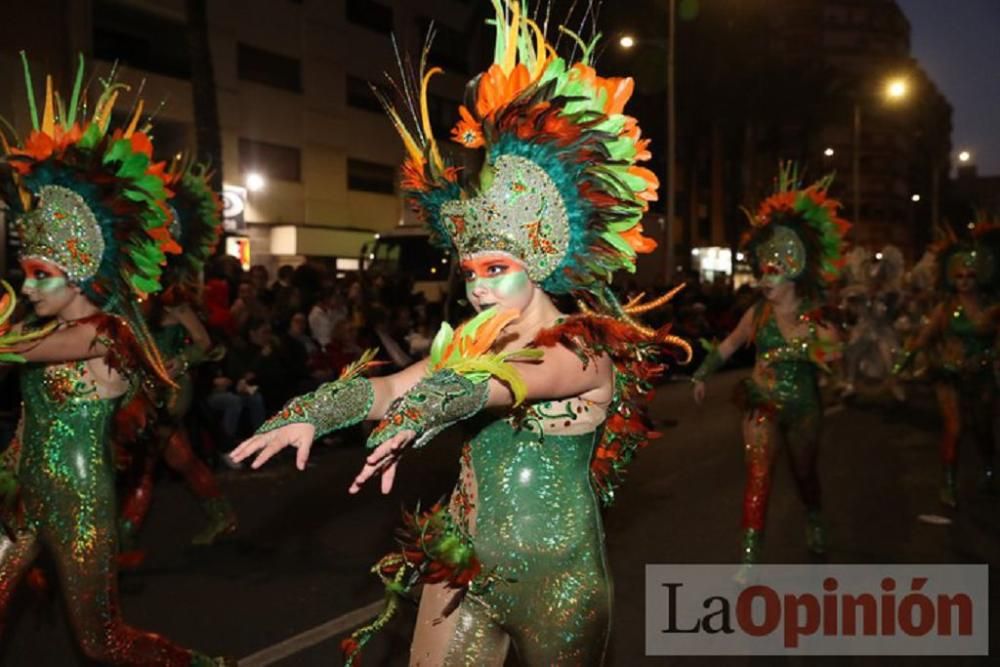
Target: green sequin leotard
pixel 66 477
pixel 525 499
pixel 782 399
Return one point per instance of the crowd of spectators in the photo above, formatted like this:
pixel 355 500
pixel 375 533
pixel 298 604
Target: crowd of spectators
pixel 287 334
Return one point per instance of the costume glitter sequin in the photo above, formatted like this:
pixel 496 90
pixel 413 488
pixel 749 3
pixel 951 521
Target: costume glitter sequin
pixel 961 339
pixel 92 203
pixel 196 222
pixel 795 241
pixel 517 556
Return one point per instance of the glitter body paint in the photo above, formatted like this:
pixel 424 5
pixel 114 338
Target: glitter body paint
pixel 67 506
pixel 526 502
pixel 783 401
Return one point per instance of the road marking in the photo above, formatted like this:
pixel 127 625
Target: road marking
pixel 311 637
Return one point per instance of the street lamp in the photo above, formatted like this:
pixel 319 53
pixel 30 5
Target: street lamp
pixel 626 42
pixel 828 152
pixel 255 182
pixel 964 156
pixel 896 88
pixel 915 198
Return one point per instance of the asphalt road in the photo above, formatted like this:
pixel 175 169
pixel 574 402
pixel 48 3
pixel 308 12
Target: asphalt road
pixel 278 593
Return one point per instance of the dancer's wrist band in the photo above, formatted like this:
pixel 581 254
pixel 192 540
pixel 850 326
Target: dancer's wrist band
pixel 432 405
pixel 333 406
pixel 713 362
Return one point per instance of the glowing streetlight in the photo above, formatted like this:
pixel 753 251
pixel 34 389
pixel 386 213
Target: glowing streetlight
pixel 626 42
pixel 896 89
pixel 828 152
pixel 255 182
pixel 915 198
pixel 964 156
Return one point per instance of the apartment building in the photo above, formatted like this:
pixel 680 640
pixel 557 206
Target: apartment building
pixel 302 133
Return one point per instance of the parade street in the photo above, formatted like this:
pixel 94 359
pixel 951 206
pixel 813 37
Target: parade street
pixel 296 578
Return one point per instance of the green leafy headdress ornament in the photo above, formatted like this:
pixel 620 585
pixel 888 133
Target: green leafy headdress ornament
pixel 561 189
pixel 797 234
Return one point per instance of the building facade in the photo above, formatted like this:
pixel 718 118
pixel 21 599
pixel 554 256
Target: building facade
pixel 292 86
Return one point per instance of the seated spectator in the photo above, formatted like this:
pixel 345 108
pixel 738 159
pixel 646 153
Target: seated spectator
pixel 324 316
pixel 247 306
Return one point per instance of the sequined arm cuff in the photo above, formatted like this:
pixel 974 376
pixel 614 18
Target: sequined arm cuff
pixel 334 405
pixel 432 405
pixel 713 362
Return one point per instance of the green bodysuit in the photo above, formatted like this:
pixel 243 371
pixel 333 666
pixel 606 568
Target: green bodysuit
pixel 526 501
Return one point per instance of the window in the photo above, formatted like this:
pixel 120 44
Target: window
pixel 281 163
pixel 360 95
pixel 371 15
pixel 370 177
pixel 270 69
pixel 448 50
pixel 140 39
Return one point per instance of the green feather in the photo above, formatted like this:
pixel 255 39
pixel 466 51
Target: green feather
pixel 441 340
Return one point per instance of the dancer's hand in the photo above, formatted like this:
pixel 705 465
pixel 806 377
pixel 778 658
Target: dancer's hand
pixel 383 460
pixel 268 444
pixel 698 392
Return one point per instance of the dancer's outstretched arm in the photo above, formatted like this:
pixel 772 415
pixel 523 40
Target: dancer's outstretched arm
pixel 719 354
pixel 444 398
pixel 334 405
pixel 70 343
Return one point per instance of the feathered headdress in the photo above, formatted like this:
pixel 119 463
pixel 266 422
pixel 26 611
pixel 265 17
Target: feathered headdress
pixel 91 200
pixel 797 233
pixel 195 223
pixel 561 189
pixel 979 253
pixel 87 198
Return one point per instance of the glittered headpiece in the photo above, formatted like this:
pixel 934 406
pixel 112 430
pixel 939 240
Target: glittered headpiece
pixel 89 200
pixel 195 223
pixel 980 253
pixel 796 232
pixel 560 189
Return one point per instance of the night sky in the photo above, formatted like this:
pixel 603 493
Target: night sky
pixel 958 43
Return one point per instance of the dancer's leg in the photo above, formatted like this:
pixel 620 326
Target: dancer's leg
pixel 467 636
pixel 759 446
pixel 948 402
pixel 802 434
pixel 16 556
pixel 85 562
pixel 180 457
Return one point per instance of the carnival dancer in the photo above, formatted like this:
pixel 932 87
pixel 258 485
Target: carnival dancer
pixel 517 556
pixel 183 341
pixel 961 339
pixel 794 243
pixel 89 206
